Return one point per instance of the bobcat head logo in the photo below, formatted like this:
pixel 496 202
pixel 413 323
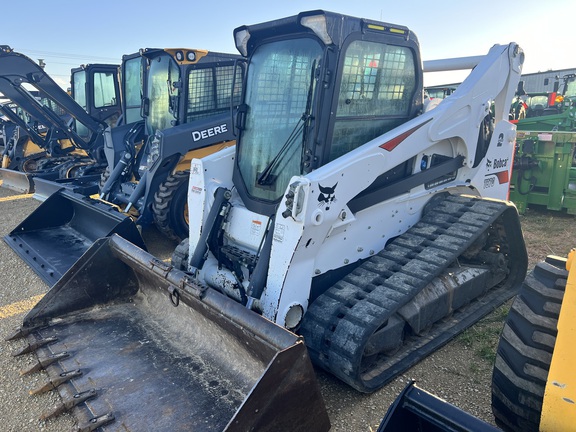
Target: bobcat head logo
pixel 326 196
pixel 488 163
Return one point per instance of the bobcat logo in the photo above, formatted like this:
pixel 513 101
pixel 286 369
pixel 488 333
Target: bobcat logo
pixel 500 140
pixel 488 163
pixel 326 196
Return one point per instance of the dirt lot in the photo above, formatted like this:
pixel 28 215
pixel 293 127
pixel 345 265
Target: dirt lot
pixel 460 372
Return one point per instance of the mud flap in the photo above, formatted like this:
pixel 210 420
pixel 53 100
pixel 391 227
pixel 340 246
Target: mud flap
pixel 16 181
pixel 151 350
pixel 53 237
pixel 417 410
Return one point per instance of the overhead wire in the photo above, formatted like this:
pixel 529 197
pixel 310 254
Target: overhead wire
pixel 70 56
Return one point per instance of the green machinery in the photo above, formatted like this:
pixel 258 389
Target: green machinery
pixel 545 170
pixel 545 163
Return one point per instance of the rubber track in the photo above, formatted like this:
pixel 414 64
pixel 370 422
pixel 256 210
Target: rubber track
pixel 525 349
pixel 338 324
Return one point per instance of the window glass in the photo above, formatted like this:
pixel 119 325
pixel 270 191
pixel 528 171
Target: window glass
pixel 200 93
pixel 133 89
pixel 163 95
pixel 277 93
pixel 206 98
pixel 376 92
pixel 104 89
pixel 79 86
pixel 571 88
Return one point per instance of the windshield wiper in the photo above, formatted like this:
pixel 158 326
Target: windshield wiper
pixel 265 178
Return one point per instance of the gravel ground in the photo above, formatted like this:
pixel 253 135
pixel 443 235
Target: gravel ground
pixel 459 373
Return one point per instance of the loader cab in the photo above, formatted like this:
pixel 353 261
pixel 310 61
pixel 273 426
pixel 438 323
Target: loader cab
pixel 96 88
pixel 318 85
pixel 184 98
pixel 569 85
pixel 185 85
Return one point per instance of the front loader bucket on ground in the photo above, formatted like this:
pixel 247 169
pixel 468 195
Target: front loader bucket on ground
pixel 417 410
pixel 53 237
pixel 16 181
pixel 153 351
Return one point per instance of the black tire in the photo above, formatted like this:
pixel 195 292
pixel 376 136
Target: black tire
pixel 525 349
pixel 170 206
pixel 29 164
pixel 180 256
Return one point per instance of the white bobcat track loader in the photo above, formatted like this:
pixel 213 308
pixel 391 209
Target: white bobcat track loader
pixel 349 233
pixel 348 213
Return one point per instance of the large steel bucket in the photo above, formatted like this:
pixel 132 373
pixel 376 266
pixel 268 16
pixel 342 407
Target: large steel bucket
pixel 16 181
pixel 55 235
pixel 156 352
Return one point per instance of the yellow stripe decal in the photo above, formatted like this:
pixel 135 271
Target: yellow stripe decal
pixel 16 197
pixel 19 307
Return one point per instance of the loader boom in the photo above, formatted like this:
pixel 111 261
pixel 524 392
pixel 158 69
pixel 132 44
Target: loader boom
pixel 17 69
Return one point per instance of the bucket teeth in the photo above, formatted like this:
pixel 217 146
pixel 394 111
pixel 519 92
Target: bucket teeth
pixel 95 423
pixel 68 404
pixel 34 346
pixel 43 362
pixel 60 379
pixel 18 333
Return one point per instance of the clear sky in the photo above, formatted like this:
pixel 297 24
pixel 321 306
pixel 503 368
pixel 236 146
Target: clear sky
pixel 67 33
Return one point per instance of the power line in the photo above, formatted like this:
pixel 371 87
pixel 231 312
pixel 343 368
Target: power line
pixel 72 64
pixel 35 53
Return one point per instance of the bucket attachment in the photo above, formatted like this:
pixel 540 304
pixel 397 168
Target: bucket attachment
pixel 141 347
pixel 16 181
pixel 85 185
pixel 54 236
pixel 417 410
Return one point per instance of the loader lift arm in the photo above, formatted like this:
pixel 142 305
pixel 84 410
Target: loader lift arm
pixel 17 120
pixel 56 129
pixel 16 70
